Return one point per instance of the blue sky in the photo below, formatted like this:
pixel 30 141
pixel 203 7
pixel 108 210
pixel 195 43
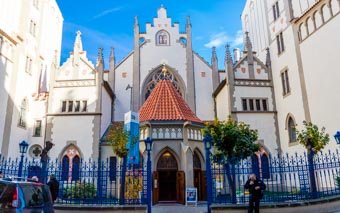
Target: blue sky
pixel 106 23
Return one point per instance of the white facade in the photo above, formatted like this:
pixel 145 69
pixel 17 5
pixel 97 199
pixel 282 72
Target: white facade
pixel 30 35
pixel 309 35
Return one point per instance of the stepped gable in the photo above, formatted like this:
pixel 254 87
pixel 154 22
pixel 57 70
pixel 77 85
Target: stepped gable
pixel 166 104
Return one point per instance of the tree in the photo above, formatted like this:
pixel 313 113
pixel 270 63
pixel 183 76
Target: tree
pixel 314 141
pixel 118 138
pixel 232 141
pixel 312 138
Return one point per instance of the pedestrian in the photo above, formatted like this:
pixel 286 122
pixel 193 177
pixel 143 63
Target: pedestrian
pixel 54 187
pixel 1 175
pixel 255 187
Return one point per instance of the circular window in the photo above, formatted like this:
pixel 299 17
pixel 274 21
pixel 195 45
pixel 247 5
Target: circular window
pixel 35 151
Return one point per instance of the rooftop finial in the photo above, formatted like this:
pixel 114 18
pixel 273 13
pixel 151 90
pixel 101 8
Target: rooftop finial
pixel 228 58
pixel 161 13
pixel 78 45
pixel 188 23
pixel 164 69
pixel 100 58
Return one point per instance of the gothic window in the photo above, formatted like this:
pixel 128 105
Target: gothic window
pixel 162 38
pixel 196 161
pixel 23 111
pixel 291 130
pixel 65 168
pixel 75 168
pixel 260 165
pixel 167 162
pixel 161 75
pixel 71 164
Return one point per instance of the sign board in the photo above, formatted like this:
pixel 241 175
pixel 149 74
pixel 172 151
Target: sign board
pixel 191 196
pixel 131 125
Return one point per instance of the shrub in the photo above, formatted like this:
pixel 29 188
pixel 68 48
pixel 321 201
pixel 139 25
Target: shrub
pixel 80 190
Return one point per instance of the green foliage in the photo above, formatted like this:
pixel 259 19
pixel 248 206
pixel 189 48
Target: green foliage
pixel 80 190
pixel 311 135
pixel 337 180
pixel 232 140
pixel 118 138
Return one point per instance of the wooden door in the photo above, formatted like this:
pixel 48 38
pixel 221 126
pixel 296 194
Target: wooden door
pixel 180 187
pixel 155 187
pixel 203 186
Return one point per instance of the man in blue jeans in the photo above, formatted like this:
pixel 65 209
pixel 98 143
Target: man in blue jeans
pixel 255 187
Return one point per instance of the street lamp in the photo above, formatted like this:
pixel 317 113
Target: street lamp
pixel 148 146
pixel 207 144
pixel 23 149
pixel 337 137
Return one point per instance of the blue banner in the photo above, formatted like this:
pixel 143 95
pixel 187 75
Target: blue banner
pixel 131 125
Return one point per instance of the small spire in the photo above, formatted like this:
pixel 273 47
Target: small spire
pixel 228 58
pixel 268 59
pixel 188 23
pixel 136 20
pixel 112 53
pixel 78 45
pixel 100 57
pixel 248 46
pixel 213 55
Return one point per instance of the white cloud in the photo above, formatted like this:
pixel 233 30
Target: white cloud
pixel 238 39
pixel 222 38
pixel 106 12
pixel 217 40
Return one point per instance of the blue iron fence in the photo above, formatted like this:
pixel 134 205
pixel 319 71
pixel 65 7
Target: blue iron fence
pixel 87 182
pixel 288 178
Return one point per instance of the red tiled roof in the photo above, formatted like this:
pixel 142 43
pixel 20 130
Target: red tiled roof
pixel 166 104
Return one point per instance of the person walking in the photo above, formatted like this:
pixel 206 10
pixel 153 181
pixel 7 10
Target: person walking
pixel 255 187
pixel 1 175
pixel 54 187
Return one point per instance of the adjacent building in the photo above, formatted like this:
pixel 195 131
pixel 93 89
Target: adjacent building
pixel 302 36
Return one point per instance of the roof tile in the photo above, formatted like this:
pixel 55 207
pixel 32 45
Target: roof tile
pixel 166 104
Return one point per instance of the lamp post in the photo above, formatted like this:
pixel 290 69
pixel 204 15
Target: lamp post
pixel 23 149
pixel 148 145
pixel 207 144
pixel 337 137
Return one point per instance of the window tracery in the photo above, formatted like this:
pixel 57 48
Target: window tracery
pixel 162 38
pixel 162 75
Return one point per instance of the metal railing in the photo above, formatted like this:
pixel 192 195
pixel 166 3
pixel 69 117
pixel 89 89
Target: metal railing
pixel 288 178
pixel 87 182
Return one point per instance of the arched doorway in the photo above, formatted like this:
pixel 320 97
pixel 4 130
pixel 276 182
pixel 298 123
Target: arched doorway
pixel 199 177
pixel 168 182
pixel 167 170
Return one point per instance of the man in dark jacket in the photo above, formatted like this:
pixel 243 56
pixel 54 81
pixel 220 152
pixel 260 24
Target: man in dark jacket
pixel 54 187
pixel 255 187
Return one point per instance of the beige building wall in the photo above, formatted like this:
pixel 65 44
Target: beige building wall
pixel 34 29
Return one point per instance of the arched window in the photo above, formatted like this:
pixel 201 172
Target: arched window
pixel 159 75
pixel 23 112
pixel 196 161
pixel 265 166
pixel 75 168
pixel 65 168
pixel 162 38
pixel 71 164
pixel 255 165
pixel 291 130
